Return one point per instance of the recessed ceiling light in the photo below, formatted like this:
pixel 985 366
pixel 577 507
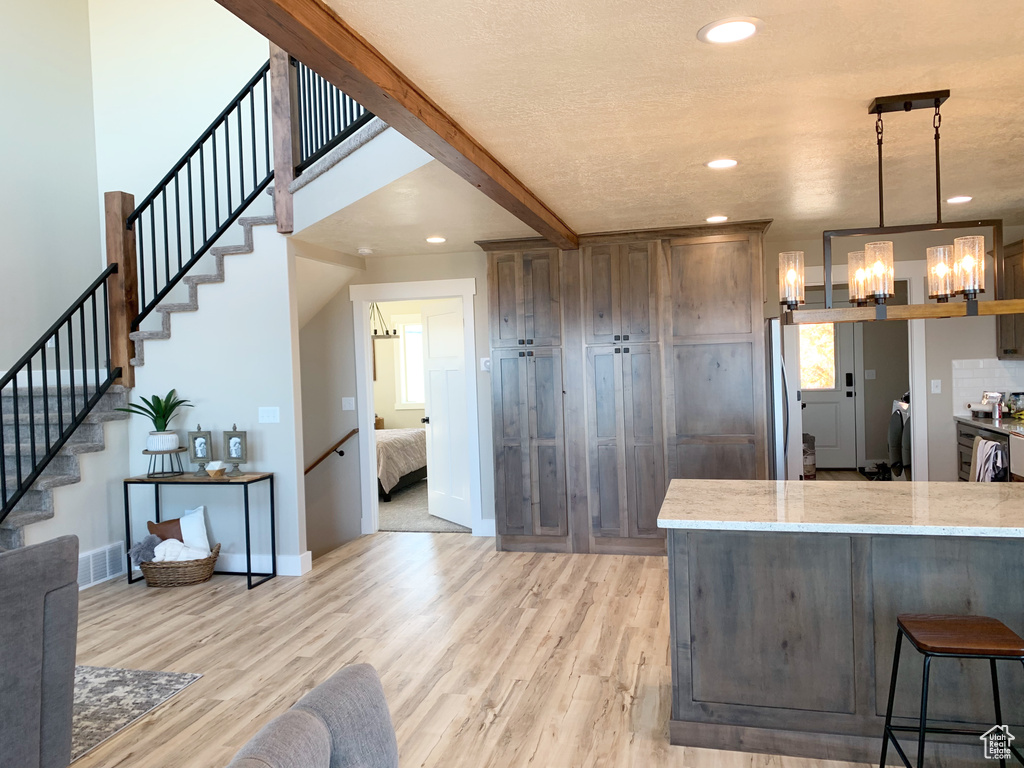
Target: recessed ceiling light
pixel 365 251
pixel 436 239
pixel 724 162
pixel 716 219
pixel 960 199
pixel 730 30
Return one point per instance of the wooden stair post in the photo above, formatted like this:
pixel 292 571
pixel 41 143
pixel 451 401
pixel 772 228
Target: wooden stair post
pixel 124 298
pixel 284 97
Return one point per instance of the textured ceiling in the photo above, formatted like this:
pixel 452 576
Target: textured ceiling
pixel 608 110
pixel 396 219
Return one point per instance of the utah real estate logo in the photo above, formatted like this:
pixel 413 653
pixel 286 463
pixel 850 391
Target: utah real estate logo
pixel 997 742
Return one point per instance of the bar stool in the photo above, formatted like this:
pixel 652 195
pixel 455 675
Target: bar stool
pixel 960 637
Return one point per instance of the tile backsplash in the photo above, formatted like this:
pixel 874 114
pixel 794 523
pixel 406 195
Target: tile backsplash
pixel 972 377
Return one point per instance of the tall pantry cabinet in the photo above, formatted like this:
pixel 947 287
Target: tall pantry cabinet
pixel 614 368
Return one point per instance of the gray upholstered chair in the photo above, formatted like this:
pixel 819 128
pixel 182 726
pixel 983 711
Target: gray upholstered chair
pixel 38 634
pixel 342 723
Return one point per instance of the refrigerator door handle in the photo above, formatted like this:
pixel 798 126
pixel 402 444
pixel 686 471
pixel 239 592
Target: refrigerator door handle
pixel 785 408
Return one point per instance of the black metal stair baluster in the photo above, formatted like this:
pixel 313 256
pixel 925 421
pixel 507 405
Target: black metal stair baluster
pixel 216 185
pixel 60 388
pixel 152 237
pixel 71 369
pixel 167 240
pixel 266 124
pixel 202 188
pixel 191 211
pixel 241 155
pixel 46 400
pixel 17 433
pixel 95 343
pixel 252 135
pixel 3 452
pixel 227 162
pixel 106 324
pixel 85 358
pixel 31 413
pixel 140 241
pixel 177 218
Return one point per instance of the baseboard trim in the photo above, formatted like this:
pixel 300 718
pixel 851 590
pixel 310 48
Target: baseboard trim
pixel 820 746
pixel 287 565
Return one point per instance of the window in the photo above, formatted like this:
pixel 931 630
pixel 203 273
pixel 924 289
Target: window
pixel 409 389
pixel 818 356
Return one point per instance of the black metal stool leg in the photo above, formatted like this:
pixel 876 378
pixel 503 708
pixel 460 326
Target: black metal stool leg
pixel 924 711
pixel 995 698
pixel 892 696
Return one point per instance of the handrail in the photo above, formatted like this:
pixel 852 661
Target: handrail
pixel 330 450
pixel 38 450
pixel 326 115
pixel 186 213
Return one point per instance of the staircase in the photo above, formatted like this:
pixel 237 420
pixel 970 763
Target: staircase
pixel 193 282
pixel 63 469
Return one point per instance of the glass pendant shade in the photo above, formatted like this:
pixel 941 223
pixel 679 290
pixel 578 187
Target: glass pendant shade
pixel 969 265
pixel 941 283
pixel 791 279
pixel 879 266
pixel 857 278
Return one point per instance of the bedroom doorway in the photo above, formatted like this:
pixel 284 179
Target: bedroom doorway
pixel 417 393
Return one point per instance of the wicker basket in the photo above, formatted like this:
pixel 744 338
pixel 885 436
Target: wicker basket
pixel 182 573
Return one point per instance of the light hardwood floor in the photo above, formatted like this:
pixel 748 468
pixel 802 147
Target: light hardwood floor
pixel 487 658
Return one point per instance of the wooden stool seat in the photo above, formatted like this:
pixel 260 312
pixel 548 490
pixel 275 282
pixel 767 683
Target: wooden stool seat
pixel 961 635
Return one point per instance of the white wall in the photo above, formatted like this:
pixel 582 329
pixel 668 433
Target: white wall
pixel 161 73
pixel 238 353
pixel 49 222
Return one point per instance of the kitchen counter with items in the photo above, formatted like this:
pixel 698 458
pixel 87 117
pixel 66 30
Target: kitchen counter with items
pixel 784 597
pixel 1008 432
pixel 1007 426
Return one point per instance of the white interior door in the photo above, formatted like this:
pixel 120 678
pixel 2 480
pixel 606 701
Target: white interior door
pixel 444 371
pixel 829 394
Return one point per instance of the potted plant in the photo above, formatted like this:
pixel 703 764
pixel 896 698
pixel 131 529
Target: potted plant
pixel 160 411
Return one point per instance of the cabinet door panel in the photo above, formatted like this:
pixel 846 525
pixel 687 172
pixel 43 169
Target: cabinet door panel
pixel 511 443
pixel 638 270
pixel 506 295
pixel 601 294
pixel 606 442
pixel 713 389
pixel 549 508
pixel 708 460
pixel 645 448
pixel 712 289
pixel 542 298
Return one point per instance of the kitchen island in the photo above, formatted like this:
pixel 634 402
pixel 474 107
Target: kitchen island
pixel 784 597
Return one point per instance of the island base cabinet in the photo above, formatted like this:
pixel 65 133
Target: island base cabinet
pixel 783 642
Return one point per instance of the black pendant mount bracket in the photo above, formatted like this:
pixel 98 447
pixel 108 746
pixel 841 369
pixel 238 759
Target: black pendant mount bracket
pixel 905 102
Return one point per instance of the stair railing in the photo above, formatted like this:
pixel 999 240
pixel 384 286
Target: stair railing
pixel 204 193
pixel 326 116
pixel 63 375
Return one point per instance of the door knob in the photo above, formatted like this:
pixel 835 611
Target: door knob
pixel 425 420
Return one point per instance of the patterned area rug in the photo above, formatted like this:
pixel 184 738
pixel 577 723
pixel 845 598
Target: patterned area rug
pixel 109 700
pixel 407 511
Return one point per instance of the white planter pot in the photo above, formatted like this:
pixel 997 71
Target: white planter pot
pixel 162 441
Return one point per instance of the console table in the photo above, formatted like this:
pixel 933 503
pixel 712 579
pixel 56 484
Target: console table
pixel 244 481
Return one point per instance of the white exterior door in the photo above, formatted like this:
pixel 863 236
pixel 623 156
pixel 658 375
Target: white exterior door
pixel 829 395
pixel 444 372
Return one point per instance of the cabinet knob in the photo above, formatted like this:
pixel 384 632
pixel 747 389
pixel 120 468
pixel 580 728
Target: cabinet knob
pixel 529 341
pixel 522 354
pixel 625 337
pixel 617 337
pixel 626 350
pixel 600 314
pixel 522 342
pixel 617 350
pixel 530 353
pixel 1009 351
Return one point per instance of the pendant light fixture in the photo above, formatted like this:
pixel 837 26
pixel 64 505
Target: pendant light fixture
pixel 881 273
pixel 941 282
pixel 969 265
pixel 378 324
pixel 791 279
pixel 857 278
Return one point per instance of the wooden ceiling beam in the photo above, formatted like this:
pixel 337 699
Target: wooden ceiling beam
pixel 317 36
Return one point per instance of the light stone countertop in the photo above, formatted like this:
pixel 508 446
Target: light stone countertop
pixel 898 508
pixel 1007 426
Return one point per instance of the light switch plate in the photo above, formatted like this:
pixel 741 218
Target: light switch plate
pixel 869 374
pixel 348 403
pixel 936 386
pixel 270 415
pixel 485 364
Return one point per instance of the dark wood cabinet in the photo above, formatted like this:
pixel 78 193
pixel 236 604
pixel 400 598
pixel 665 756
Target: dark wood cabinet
pixel 715 398
pixel 525 298
pixel 1010 328
pixel 620 293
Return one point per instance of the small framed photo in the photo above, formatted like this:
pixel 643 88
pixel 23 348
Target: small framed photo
pixel 200 446
pixel 236 446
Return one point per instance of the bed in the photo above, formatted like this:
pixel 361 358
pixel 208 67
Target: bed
pixel 401 459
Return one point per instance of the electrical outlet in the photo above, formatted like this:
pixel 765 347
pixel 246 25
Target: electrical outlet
pixel 270 415
pixel 348 403
pixel 485 364
pixel 936 386
pixel 869 374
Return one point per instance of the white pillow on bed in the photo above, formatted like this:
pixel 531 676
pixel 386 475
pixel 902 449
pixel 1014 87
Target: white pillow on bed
pixel 193 529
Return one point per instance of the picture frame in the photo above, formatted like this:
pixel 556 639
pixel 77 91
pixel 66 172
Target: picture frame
pixel 200 446
pixel 236 448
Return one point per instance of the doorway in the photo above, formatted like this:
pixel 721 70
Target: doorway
pixel 851 377
pixel 424 400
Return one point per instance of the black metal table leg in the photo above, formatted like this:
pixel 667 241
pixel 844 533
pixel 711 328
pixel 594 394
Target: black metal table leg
pixel 924 711
pixel 995 699
pixel 156 498
pixel 248 540
pixel 273 531
pixel 128 535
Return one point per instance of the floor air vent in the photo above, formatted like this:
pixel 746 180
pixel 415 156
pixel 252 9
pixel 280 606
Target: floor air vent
pixel 100 565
